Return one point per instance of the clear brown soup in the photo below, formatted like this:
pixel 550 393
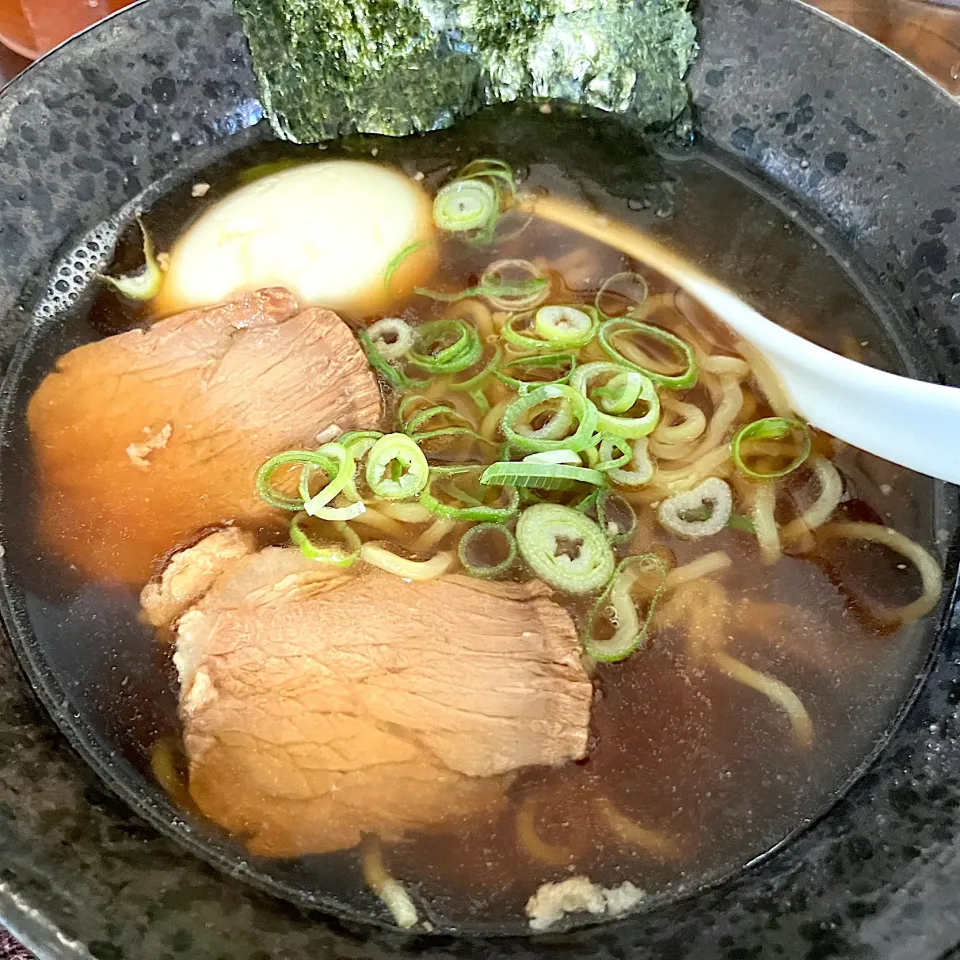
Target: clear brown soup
pixel 704 766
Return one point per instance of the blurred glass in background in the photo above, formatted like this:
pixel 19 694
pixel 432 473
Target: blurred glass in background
pixel 926 33
pixel 32 27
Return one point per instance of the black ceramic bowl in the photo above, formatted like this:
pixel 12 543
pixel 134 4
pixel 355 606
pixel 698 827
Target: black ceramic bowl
pixel 825 121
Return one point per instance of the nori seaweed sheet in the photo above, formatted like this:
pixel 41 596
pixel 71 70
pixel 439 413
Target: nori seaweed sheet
pixel 328 68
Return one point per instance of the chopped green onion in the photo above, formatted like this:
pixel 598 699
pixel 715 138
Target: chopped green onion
pixel 476 510
pixel 446 346
pixel 543 476
pixel 479 542
pixel 628 288
pixel 641 471
pixel 471 204
pixel 565 326
pixel 700 512
pixel 619 394
pixel 621 391
pixel 422 435
pixel 525 372
pixel 392 337
pixel 497 278
pixel 771 428
pixel 616 605
pixel 687 377
pixel 616 516
pixel 463 206
pixel 537 287
pixel 565 548
pixel 589 502
pixel 512 332
pixel 339 555
pixel 145 283
pixel 420 419
pixel 394 264
pixel 396 467
pixel 608 458
pixel 349 512
pixel 552 435
pixel 359 442
pixel 492 169
pixel 395 377
pixel 554 456
pixel 343 467
pixel 290 458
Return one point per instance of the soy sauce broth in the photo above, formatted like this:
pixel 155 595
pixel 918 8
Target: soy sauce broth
pixel 679 749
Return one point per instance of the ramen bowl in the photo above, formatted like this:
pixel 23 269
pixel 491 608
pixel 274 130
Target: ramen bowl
pixel 853 144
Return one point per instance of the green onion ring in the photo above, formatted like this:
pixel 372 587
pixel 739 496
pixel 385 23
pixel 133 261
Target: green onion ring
pixel 395 377
pixel 609 448
pixel 545 530
pixel 609 504
pixel 422 435
pixel 523 341
pixel 641 471
pixel 399 448
pixel 289 458
pixel 620 392
pixel 490 168
pixel 642 290
pixel 358 442
pixel 420 419
pixel 334 555
pixel 402 333
pixel 589 502
pixel 394 264
pixel 701 512
pixel 485 531
pixel 538 292
pixel 566 326
pixel 344 467
pixel 145 284
pixel 535 289
pixel 542 476
pixel 771 428
pixel 631 632
pixel 464 352
pixel 485 513
pixel 631 385
pixel 679 381
pixel 547 361
pixel 465 205
pixel 578 408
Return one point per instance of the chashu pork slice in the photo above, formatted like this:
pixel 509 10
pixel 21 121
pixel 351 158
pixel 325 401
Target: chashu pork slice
pixel 319 705
pixel 145 437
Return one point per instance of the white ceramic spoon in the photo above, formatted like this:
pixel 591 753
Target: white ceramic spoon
pixel 910 422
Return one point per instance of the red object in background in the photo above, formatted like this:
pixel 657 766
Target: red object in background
pixel 32 27
pixel 926 32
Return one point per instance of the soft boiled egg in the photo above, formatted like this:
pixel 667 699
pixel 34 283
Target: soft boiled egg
pixel 331 232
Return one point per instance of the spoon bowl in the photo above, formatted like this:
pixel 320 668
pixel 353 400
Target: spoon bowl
pixel 913 423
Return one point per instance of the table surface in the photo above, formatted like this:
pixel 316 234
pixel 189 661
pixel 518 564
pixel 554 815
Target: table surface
pixel 926 34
